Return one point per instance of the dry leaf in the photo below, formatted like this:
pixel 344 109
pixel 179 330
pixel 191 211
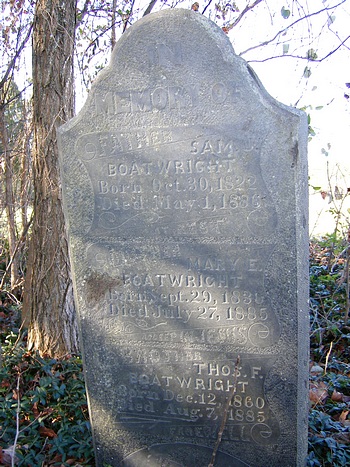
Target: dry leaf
pixel 7 455
pixel 56 459
pixel 5 383
pixel 35 410
pixel 337 396
pixel 318 393
pixel 340 397
pixel 47 432
pixel 343 418
pixel 71 462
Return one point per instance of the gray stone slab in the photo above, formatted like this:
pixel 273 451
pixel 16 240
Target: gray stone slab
pixel 185 194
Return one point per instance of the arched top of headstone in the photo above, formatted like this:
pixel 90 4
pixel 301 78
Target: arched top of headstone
pixel 174 81
pixel 177 67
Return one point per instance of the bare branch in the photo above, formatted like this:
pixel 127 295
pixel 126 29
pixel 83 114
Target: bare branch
pixel 126 20
pixel 246 9
pixel 206 7
pixel 150 7
pixel 12 63
pixel 333 51
pixel 12 451
pixel 83 13
pixel 18 244
pixel 13 98
pixel 113 34
pixel 306 17
pixel 316 60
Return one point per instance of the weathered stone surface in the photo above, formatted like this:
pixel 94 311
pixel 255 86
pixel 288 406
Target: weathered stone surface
pixel 185 193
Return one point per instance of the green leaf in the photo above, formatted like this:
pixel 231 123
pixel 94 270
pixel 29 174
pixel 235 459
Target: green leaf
pixel 331 20
pixel 285 48
pixel 285 13
pixel 311 54
pixel 311 131
pixel 307 72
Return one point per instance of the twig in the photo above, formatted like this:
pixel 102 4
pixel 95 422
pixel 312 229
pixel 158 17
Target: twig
pixel 126 19
pixel 206 6
pixel 299 57
pixel 337 211
pixel 347 303
pixel 246 9
pixel 344 252
pixel 19 336
pixel 40 416
pixel 224 417
pixel 12 63
pixel 150 7
pixel 308 16
pixel 327 357
pixel 18 244
pixel 13 452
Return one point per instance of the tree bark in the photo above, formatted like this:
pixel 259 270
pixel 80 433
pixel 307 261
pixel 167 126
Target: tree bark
pixel 48 295
pixel 25 168
pixel 9 201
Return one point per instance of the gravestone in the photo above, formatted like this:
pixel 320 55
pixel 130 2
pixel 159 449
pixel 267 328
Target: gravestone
pixel 185 188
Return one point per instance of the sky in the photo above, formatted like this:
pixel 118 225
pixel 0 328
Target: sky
pixel 322 94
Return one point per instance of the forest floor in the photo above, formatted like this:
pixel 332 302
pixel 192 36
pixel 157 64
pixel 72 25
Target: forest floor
pixel 43 411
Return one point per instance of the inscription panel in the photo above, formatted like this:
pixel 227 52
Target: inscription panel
pixel 183 188
pixel 177 181
pixel 186 400
pixel 215 298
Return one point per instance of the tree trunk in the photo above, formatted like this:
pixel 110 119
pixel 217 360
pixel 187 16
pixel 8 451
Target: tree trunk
pixel 25 168
pixel 9 202
pixel 48 300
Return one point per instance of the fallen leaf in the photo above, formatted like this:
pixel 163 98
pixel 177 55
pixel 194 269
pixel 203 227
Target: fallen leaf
pixel 337 396
pixel 8 454
pixel 5 383
pixel 56 459
pixel 47 432
pixel 343 418
pixel 35 409
pixel 318 393
pixel 71 462
pixel 340 397
pixel 47 411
